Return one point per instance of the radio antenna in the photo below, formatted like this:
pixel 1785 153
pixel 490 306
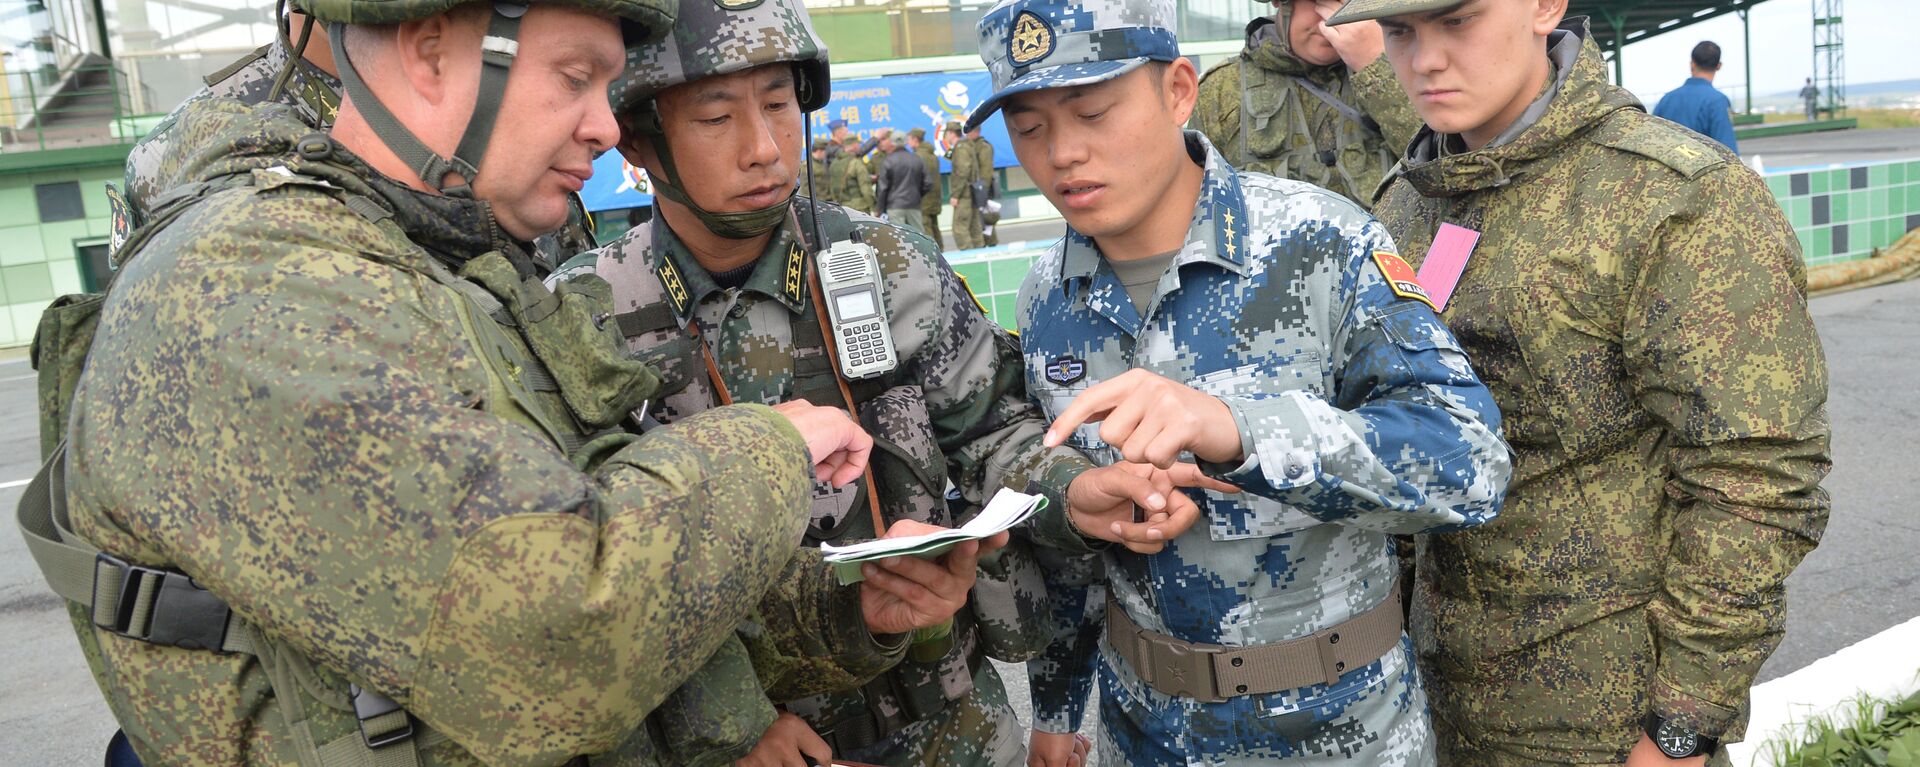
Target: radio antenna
pixel 813 191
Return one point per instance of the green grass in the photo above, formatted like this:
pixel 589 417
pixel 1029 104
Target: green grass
pixel 1881 734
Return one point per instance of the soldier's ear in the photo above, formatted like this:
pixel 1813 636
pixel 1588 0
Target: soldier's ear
pixel 1180 87
pixel 1547 15
pixel 439 54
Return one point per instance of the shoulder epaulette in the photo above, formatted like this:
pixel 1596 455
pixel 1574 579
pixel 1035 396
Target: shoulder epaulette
pixel 1630 130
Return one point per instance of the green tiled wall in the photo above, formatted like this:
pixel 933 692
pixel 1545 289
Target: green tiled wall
pixel 995 277
pixel 1842 214
pixel 39 262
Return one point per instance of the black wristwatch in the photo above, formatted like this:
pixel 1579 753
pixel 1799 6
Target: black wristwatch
pixel 1677 740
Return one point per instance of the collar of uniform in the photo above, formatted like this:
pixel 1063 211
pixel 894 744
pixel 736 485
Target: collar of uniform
pixel 1217 233
pixel 454 229
pixel 780 272
pixel 315 93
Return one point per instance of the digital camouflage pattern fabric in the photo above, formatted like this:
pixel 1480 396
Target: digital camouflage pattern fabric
pixel 1360 417
pixel 1261 111
pixel 400 459
pixel 1636 304
pixel 710 39
pixel 953 411
pixel 313 96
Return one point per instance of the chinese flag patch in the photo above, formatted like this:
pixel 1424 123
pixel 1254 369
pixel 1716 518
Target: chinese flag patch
pixel 1400 278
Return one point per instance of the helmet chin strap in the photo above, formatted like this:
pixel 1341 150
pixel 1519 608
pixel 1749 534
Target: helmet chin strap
pixel 744 225
pixel 497 52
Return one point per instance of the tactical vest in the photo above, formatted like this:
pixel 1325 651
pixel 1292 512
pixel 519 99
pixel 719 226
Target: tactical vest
pixel 543 373
pixel 907 470
pixel 1350 162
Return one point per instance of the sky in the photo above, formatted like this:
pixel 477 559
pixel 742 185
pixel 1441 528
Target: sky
pixel 1877 31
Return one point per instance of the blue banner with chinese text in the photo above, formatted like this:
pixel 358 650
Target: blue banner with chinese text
pixel 899 102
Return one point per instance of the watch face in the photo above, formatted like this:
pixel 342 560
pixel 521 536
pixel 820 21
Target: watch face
pixel 1676 741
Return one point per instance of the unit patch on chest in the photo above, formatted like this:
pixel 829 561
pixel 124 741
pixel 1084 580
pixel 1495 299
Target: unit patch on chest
pixel 1400 278
pixel 1066 370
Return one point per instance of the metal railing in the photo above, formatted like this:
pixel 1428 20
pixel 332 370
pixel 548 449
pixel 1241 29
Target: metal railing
pixel 82 105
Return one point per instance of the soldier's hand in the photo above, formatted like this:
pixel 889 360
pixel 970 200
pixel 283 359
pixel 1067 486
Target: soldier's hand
pixel 1359 43
pixel 838 447
pixel 1135 505
pixel 1646 754
pixel 1151 419
pixel 901 594
pixel 783 744
pixel 1056 749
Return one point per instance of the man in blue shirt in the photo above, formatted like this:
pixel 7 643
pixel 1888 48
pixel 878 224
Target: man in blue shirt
pixel 1697 105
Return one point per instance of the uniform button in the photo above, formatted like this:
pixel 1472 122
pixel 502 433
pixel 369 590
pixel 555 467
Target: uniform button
pixel 1240 689
pixel 1335 639
pixel 1340 667
pixel 1294 469
pixel 738 311
pixel 1238 662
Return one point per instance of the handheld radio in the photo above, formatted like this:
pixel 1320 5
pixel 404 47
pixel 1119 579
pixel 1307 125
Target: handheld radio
pixel 855 298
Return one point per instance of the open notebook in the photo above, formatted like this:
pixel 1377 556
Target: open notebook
pixel 1006 509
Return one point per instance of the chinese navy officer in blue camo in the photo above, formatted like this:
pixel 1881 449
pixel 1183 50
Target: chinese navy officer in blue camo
pixel 1266 330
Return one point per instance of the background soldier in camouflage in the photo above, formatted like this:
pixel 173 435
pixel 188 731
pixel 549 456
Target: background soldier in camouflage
pixel 334 398
pixel 853 181
pixel 1309 102
pixel 816 172
pixel 1265 328
pixel 312 90
pixel 967 228
pixel 721 286
pixel 929 205
pixel 1636 304
pixel 983 164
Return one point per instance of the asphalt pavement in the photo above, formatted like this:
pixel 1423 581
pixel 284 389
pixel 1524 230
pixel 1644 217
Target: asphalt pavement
pixel 1831 147
pixel 1862 580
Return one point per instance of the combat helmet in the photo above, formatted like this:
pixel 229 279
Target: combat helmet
pixel 713 38
pixel 640 21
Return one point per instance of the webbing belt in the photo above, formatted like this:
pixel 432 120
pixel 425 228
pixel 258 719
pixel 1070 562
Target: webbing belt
pixel 1213 673
pixel 165 607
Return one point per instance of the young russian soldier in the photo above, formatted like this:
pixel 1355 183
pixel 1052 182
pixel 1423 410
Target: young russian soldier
pixel 1636 302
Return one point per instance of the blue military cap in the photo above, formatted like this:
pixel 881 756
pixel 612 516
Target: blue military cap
pixel 836 125
pixel 1033 44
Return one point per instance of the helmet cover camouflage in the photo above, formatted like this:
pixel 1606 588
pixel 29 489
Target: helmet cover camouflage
pixel 644 19
pixel 721 37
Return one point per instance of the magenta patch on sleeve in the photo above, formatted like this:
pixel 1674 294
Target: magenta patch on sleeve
pixel 1446 260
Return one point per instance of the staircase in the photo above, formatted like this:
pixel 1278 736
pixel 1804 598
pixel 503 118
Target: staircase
pixel 79 110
